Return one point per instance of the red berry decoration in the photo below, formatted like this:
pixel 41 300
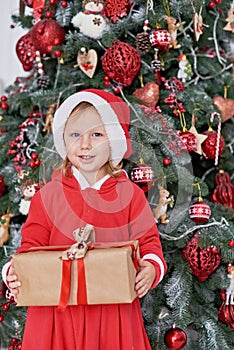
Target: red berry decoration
pixel 47 33
pixel 1 318
pixel 64 4
pixel 121 63
pixel 189 140
pixel 175 338
pixel 231 243
pixel 202 262
pixel 34 155
pixel 160 39
pixel 57 53
pixel 143 176
pixel 166 161
pixel 4 98
pixel 211 4
pixel 199 212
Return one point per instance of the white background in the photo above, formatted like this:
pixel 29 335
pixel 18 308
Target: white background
pixel 10 66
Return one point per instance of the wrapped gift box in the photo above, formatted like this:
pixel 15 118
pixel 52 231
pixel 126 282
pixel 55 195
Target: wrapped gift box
pixel 105 275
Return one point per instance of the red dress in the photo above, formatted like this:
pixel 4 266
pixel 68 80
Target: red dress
pixel 119 212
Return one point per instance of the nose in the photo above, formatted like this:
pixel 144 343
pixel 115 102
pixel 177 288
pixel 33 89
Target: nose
pixel 85 142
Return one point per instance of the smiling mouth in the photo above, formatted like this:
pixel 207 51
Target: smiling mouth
pixel 86 157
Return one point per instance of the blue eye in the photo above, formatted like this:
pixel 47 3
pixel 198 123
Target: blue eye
pixel 75 134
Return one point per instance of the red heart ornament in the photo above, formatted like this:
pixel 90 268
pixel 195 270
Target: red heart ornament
pixel 203 262
pixel 149 94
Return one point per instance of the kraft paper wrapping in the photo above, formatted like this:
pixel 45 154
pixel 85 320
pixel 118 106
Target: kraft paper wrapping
pixel 109 273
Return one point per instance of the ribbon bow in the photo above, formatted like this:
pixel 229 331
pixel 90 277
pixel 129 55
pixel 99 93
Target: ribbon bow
pixel 83 236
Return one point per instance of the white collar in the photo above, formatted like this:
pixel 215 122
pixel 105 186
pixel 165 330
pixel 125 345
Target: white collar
pixel 84 183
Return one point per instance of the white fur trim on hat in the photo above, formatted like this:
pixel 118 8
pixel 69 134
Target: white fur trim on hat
pixel 115 132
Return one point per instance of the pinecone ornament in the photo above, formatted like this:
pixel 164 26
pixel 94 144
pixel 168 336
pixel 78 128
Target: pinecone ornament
pixel 143 42
pixel 43 81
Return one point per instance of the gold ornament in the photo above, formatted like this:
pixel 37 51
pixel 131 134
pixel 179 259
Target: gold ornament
pixel 4 227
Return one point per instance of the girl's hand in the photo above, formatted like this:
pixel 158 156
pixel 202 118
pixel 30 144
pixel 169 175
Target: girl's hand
pixel 145 277
pixel 12 280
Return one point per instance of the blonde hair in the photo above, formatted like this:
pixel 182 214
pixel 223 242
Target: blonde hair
pixel 114 171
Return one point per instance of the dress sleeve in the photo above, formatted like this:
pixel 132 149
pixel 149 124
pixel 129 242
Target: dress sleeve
pixel 143 228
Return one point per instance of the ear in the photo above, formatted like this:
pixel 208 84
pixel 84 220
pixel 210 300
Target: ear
pixel 160 187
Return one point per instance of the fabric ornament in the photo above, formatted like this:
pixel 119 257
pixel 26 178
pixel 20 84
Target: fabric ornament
pixel 202 262
pixel 143 176
pixel 115 116
pixel 199 211
pixel 91 22
pixel 121 63
pixel 160 39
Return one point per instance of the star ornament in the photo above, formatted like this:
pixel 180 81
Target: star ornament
pixel 199 137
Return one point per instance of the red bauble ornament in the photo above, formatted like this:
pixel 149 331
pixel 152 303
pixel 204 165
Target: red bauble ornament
pixel 143 176
pixel 26 52
pixel 231 243
pixel 2 186
pixel 64 4
pixel 47 33
pixel 189 140
pixel 199 212
pixel 175 338
pixel 202 262
pixel 1 318
pixel 209 145
pixel 160 39
pixel 121 62
pixel 4 98
pixel 4 105
pixel 224 191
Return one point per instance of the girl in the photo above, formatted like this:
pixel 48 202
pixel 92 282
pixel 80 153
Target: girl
pixel 90 132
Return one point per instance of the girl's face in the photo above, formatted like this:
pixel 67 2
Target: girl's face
pixel 87 143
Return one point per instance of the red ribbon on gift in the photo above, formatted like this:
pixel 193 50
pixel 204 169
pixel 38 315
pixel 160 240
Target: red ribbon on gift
pixel 82 291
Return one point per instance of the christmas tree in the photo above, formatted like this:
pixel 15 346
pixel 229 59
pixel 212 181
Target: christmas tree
pixel 172 62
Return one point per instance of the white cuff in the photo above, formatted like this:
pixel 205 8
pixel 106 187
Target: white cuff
pixel 155 258
pixel 4 271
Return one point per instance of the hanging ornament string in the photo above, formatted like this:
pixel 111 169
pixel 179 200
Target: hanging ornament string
pixel 167 8
pixel 213 115
pixel 196 184
pixel 182 120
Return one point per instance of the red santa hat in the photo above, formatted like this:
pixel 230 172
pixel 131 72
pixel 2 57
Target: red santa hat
pixel 115 115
